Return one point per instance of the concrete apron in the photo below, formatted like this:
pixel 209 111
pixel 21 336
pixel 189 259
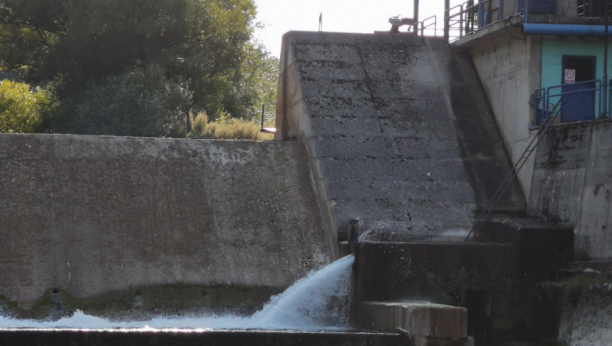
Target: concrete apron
pixel 191 338
pixel 426 324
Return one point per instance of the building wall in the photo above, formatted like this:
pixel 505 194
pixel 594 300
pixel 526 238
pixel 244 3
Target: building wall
pixel 92 215
pixel 509 70
pixel 573 184
pixel 552 64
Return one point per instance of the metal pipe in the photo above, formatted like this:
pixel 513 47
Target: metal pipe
pixel 564 30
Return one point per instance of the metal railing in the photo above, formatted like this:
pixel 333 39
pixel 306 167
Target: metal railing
pixel 433 21
pixel 471 16
pixel 546 97
pixel 268 117
pixel 549 102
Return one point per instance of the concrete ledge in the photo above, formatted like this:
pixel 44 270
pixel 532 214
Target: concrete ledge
pixel 425 321
pixel 217 338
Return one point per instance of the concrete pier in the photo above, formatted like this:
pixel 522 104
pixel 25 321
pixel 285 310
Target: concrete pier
pixel 428 324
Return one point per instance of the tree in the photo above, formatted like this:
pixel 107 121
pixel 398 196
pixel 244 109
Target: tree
pixel 138 102
pixel 257 83
pixel 200 46
pixel 20 108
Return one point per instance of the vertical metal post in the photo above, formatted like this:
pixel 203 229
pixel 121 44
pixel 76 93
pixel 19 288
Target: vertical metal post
pixel 263 111
pixel 461 21
pixel 446 19
pixel 416 16
pixel 605 76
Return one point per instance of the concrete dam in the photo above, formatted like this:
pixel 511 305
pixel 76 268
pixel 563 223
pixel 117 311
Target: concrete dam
pixel 386 148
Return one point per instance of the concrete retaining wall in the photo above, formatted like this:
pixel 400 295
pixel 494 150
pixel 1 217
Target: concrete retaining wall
pixel 91 216
pixel 510 71
pixel 572 184
pixel 397 128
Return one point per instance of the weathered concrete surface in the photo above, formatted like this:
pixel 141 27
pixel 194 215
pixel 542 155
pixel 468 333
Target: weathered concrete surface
pixel 577 311
pixel 572 184
pixel 429 324
pixel 217 338
pixel 510 70
pixel 397 130
pixel 90 215
pixel 497 282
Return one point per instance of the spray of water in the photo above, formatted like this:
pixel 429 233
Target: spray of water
pixel 320 301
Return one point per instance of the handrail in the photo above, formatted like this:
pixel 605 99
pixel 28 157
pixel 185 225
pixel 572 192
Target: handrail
pixel 543 95
pixel 263 113
pixel 548 94
pixel 423 26
pixel 467 16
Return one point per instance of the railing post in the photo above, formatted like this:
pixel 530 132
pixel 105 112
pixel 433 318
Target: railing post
pixel 416 15
pixel 545 106
pixel 446 19
pixel 603 96
pixel 461 21
pixel 500 12
pixel 263 111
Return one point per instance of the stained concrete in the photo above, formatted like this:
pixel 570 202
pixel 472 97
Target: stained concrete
pixel 217 338
pixel 397 129
pixel 95 216
pixel 498 283
pixel 429 324
pixel 576 310
pixel 572 184
pixel 510 71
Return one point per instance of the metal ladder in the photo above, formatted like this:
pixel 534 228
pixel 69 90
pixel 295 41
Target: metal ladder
pixel 516 169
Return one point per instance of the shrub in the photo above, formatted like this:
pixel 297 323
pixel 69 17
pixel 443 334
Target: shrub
pixel 20 107
pixel 227 128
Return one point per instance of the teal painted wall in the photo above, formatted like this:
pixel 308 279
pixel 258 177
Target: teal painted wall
pixel 552 68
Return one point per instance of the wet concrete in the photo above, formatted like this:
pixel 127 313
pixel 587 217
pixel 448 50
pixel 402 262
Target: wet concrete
pixel 397 129
pixel 103 220
pixel 213 338
pixel 572 184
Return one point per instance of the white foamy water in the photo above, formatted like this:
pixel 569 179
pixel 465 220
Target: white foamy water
pixel 320 301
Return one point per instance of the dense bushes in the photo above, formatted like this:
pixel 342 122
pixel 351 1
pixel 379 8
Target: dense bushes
pixel 21 109
pixel 140 102
pixel 138 67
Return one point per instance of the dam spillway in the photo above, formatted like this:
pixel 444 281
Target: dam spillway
pixel 398 131
pixel 390 134
pixel 153 226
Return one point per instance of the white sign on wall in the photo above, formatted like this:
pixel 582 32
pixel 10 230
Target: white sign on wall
pixel 570 76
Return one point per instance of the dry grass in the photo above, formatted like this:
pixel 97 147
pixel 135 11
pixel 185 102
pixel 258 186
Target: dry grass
pixel 233 129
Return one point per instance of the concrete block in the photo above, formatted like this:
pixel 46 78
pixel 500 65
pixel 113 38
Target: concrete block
pixel 421 319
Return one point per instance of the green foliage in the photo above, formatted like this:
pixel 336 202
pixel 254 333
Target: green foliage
pixel 201 46
pixel 20 108
pixel 258 80
pixel 139 102
pixel 227 129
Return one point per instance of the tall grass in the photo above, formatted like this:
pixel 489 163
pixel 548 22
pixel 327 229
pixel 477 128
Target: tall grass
pixel 229 129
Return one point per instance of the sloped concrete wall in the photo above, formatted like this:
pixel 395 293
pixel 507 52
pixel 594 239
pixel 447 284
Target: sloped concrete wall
pixel 397 128
pixel 572 184
pixel 510 71
pixel 90 215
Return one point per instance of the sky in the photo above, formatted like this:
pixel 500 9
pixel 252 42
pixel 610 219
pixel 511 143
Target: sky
pixel 364 16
